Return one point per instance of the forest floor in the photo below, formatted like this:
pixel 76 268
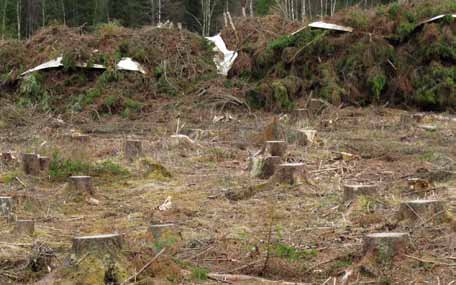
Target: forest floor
pixel 301 233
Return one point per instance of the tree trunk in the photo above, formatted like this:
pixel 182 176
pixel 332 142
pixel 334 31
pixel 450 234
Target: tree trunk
pixel 5 6
pixel 63 12
pixel 18 15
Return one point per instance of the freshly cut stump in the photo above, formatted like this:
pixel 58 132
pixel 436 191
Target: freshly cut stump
pixel 45 162
pixel 82 184
pixel 31 164
pixel 422 210
pixel 351 191
pixel 25 227
pixel 290 173
pixel 109 243
pixel 264 167
pixel 301 137
pixel 383 247
pixel 133 149
pixel 6 206
pixel 276 148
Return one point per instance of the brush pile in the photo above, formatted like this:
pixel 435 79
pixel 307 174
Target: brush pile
pixel 390 57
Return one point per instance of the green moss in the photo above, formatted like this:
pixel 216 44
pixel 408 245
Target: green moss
pixel 280 95
pixel 154 170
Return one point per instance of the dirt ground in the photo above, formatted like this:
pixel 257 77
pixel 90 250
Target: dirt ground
pixel 225 221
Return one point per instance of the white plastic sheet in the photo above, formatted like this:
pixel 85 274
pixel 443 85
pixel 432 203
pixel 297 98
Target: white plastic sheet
pixel 224 63
pixel 126 64
pixel 328 26
pixel 433 19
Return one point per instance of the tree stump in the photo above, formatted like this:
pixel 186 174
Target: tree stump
pixel 7 157
pixel 418 184
pixel 44 163
pixel 82 184
pixel 160 230
pixel 25 227
pixel 422 210
pixel 80 138
pixel 264 167
pixel 351 191
pixel 276 148
pixel 301 137
pixel 6 206
pixel 383 247
pixel 109 243
pixel 290 173
pixel 31 164
pixel 406 120
pixel 133 149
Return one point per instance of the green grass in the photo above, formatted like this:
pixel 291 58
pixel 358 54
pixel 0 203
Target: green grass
pixel 199 273
pixel 291 253
pixel 60 168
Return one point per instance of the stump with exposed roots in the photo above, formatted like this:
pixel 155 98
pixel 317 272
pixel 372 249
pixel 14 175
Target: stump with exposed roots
pixel 6 206
pixel 264 167
pixel 276 148
pixel 133 149
pixel 384 247
pixel 109 243
pixel 25 227
pixel 31 164
pixel 82 184
pixel 422 211
pixel 351 191
pixel 290 173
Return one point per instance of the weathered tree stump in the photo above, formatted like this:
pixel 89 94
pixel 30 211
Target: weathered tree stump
pixel 160 230
pixel 276 148
pixel 45 162
pixel 418 184
pixel 301 137
pixel 351 191
pixel 264 167
pixel 422 210
pixel 80 138
pixel 7 156
pixel 290 173
pixel 25 227
pixel 109 243
pixel 133 149
pixel 406 120
pixel 31 164
pixel 6 206
pixel 82 184
pixel 383 247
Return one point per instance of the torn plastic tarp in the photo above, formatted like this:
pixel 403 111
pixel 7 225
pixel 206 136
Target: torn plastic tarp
pixel 126 64
pixel 328 26
pixel 223 64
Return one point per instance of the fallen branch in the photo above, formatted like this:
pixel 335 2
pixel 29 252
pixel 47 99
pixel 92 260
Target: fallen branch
pixel 134 276
pixel 430 261
pixel 239 278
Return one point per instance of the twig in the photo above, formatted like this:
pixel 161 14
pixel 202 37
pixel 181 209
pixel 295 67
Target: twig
pixel 430 261
pixel 134 276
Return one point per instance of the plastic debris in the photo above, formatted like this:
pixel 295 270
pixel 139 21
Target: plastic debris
pixel 328 26
pixel 126 64
pixel 224 63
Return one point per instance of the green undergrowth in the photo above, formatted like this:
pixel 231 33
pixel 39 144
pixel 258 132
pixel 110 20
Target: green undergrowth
pixel 388 58
pixel 62 168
